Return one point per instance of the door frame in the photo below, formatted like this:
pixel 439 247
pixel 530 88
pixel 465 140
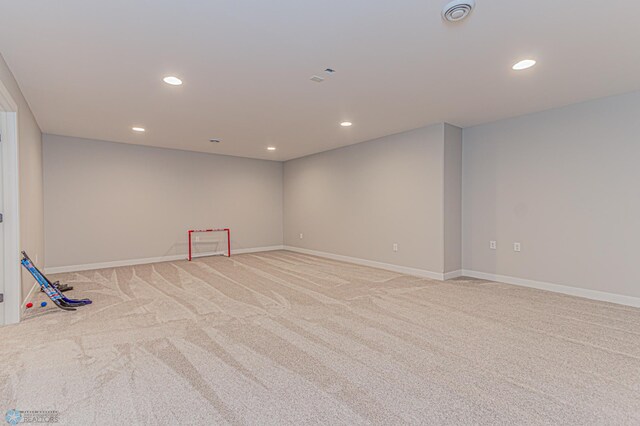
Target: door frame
pixel 11 198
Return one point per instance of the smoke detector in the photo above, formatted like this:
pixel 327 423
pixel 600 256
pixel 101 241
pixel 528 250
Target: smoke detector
pixel 457 10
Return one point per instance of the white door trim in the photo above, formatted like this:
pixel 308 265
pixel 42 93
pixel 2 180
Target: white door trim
pixel 10 182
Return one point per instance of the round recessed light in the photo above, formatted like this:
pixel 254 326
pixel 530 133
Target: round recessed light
pixel 138 129
pixel 346 124
pixel 271 148
pixel 524 64
pixel 174 81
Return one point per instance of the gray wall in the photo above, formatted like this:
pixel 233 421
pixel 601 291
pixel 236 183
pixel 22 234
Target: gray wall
pixel 565 183
pixel 452 198
pixel 358 200
pixel 30 165
pixel 106 201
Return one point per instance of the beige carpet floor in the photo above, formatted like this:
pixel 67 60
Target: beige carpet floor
pixel 284 338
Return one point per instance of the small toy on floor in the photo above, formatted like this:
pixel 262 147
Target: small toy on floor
pixel 43 304
pixel 29 305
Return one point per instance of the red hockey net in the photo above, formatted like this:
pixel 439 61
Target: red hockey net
pixel 193 231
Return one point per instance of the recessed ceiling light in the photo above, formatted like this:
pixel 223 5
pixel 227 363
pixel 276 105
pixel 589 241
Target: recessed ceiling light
pixel 346 124
pixel 138 129
pixel 214 140
pixel 524 64
pixel 271 148
pixel 174 81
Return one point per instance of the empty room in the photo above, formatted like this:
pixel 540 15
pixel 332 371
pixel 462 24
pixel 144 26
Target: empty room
pixel 343 212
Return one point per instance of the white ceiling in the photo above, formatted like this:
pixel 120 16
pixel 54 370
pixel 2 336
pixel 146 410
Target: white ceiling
pixel 94 69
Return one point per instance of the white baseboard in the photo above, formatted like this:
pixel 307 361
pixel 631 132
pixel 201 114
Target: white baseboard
pixel 453 274
pixel 256 250
pixel 131 262
pixel 557 288
pixel 387 266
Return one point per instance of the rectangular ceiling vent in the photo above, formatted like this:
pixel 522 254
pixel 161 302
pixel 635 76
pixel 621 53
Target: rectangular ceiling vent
pixel 317 79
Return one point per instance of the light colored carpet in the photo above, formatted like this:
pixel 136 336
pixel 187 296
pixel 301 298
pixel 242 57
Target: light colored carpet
pixel 284 338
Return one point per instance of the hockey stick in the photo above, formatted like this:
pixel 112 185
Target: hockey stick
pixel 51 291
pixel 72 302
pixel 61 287
pixel 48 290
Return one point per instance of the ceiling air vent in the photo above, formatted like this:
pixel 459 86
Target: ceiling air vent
pixel 457 10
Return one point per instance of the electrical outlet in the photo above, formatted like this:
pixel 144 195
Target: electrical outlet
pixel 197 239
pixel 301 236
pixel 493 245
pixel 516 246
pixel 395 246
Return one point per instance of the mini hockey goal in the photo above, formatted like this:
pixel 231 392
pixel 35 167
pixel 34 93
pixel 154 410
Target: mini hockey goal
pixel 193 231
